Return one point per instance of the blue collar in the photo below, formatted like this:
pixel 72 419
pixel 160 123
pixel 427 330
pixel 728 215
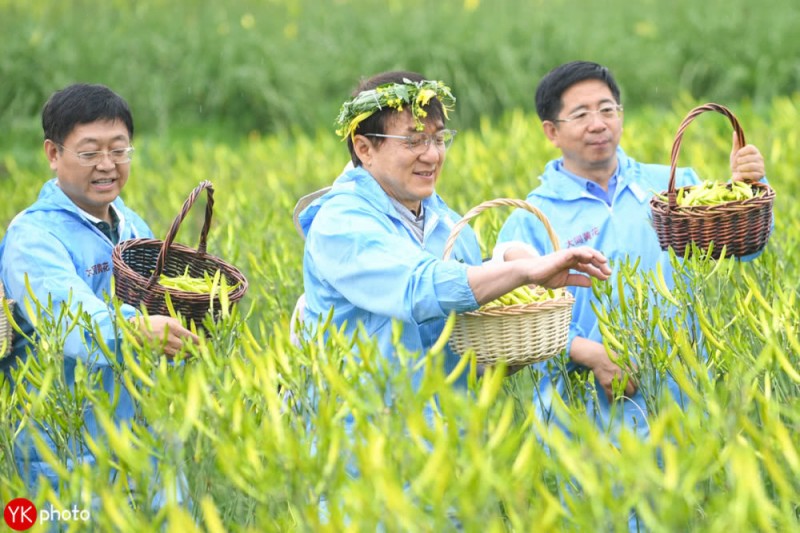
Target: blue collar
pixel 590 186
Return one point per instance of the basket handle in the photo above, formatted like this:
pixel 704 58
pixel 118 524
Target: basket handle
pixel 676 145
pixel 475 211
pixel 173 230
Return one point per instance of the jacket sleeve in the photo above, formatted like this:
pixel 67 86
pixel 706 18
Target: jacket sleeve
pixel 356 252
pixel 51 273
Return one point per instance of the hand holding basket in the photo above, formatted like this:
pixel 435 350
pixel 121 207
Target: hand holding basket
pixel 518 334
pixel 139 263
pixel 741 226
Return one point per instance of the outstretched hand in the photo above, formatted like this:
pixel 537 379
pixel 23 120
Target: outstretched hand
pixel 747 163
pixel 554 270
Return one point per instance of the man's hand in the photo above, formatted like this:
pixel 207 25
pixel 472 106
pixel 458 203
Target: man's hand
pixel 747 163
pixel 166 331
pixel 553 270
pixel 593 356
pixel 607 373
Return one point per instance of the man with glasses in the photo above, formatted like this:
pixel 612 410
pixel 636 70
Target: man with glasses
pixel 375 239
pixel 595 195
pixel 59 250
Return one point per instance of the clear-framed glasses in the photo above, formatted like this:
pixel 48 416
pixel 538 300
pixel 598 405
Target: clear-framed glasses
pixel 584 116
pixel 118 156
pixel 419 142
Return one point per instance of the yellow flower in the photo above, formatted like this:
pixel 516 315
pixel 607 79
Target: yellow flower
pixel 424 96
pixel 351 128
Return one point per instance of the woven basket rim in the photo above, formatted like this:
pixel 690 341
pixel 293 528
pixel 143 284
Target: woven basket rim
pixel 657 201
pixel 156 287
pixel 567 299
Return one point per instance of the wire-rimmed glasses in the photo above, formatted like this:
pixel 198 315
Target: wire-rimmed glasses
pixel 419 142
pixel 118 156
pixel 584 116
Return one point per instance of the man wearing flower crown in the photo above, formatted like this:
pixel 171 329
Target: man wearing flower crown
pixel 375 240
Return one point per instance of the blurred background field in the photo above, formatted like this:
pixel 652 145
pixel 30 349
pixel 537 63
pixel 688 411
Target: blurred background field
pixel 226 69
pixel 244 94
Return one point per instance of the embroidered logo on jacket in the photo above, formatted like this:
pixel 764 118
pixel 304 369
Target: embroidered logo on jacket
pixel 97 269
pixel 583 238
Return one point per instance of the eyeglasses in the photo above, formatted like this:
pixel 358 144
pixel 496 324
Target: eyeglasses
pixel 118 156
pixel 584 116
pixel 419 142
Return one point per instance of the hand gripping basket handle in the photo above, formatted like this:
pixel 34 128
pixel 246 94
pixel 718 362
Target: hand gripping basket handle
pixel 176 224
pixel 511 202
pixel 676 145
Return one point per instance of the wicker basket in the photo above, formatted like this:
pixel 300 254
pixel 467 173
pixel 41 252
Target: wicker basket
pixel 138 264
pixel 742 226
pixel 6 331
pixel 516 334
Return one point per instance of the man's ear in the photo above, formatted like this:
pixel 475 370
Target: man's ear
pixel 51 151
pixel 550 130
pixel 364 149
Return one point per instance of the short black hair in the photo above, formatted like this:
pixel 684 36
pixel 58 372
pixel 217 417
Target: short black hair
pixel 561 78
pixel 376 123
pixel 82 103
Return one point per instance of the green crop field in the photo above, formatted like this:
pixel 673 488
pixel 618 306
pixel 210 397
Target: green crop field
pixel 244 94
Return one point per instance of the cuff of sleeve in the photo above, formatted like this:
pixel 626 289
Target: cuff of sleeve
pixel 452 287
pixel 128 311
pixel 573 332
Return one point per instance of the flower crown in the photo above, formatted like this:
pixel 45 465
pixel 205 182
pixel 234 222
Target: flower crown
pixel 416 94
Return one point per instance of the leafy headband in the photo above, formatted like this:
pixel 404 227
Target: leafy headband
pixel 416 94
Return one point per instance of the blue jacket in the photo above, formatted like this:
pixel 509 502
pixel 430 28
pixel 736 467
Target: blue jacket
pixel 67 259
pixel 364 263
pixel 622 229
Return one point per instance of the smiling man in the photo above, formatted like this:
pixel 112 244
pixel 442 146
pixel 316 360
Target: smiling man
pixel 375 240
pixel 61 247
pixel 596 195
